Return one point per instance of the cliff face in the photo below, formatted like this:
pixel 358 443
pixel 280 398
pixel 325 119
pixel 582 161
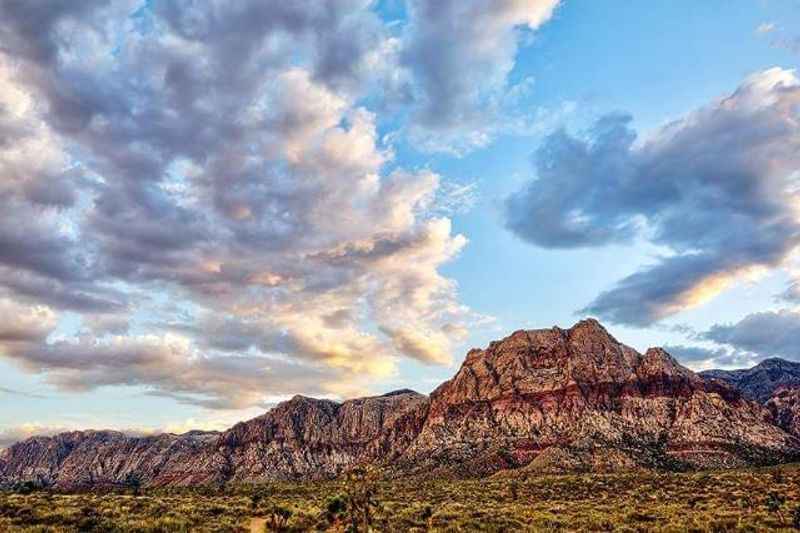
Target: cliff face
pixel 541 400
pixel 760 382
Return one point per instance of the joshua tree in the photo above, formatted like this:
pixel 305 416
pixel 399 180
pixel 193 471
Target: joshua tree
pixel 361 501
pixel 134 483
pixel 775 503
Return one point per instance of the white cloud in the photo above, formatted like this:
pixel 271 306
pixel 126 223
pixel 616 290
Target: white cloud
pixel 765 27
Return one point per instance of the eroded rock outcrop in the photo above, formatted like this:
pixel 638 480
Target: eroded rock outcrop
pixel 540 400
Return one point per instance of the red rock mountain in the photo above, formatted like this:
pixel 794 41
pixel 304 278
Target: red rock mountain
pixel 541 400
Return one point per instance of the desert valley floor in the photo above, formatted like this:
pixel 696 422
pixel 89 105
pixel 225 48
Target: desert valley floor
pixel 735 500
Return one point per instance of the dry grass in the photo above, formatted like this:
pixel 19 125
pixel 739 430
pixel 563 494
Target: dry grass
pixel 739 500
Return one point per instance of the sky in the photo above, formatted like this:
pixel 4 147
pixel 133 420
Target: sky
pixel 209 207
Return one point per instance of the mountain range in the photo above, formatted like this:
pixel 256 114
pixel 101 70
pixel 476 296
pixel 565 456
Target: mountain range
pixel 548 400
pixel 760 382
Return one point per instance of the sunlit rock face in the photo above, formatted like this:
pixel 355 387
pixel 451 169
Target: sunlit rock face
pixel 540 400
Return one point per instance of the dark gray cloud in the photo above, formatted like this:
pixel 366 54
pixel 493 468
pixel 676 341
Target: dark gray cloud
pixel 30 28
pixel 692 354
pixel 714 187
pixel 164 365
pixel 765 334
pixel 699 356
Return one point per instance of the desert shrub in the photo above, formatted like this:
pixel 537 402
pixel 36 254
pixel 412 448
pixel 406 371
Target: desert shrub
pixel 774 504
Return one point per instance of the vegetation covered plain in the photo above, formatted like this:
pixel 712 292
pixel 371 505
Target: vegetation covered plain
pixel 736 500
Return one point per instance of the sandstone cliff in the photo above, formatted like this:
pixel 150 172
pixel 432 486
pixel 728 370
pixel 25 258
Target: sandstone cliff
pixel 541 400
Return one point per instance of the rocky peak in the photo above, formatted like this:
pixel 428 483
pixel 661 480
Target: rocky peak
pixel 544 360
pixel 657 361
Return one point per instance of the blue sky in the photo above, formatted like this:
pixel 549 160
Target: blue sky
pixel 342 200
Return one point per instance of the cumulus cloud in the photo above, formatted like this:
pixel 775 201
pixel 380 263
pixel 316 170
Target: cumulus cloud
pixel 460 54
pixel 704 358
pixel 23 324
pixel 220 158
pixel 713 187
pixel 693 354
pixel 742 344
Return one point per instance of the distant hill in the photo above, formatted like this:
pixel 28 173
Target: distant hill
pixel 548 400
pixel 760 382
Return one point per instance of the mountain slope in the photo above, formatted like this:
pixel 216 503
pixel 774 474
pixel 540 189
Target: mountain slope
pixel 540 400
pixel 760 382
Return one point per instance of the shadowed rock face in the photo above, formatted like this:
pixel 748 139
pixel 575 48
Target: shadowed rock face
pixel 785 408
pixel 760 382
pixel 541 400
